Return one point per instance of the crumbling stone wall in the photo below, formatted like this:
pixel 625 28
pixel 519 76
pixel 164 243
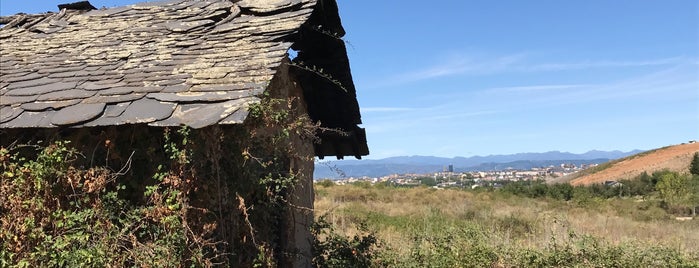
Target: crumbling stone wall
pixel 247 187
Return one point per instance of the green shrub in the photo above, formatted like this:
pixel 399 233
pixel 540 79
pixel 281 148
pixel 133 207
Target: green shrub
pixel 326 183
pixel 331 249
pixel 55 215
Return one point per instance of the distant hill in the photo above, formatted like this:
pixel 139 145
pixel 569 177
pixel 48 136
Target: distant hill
pixel 429 164
pixel 674 158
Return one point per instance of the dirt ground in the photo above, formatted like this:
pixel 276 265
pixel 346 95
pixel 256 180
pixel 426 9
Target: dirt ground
pixel 674 158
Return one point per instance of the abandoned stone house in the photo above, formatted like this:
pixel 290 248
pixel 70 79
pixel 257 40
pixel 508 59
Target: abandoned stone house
pixel 113 81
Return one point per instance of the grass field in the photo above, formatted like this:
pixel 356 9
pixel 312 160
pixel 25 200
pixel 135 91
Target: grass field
pixel 425 227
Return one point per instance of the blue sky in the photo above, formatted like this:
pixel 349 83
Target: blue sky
pixel 464 78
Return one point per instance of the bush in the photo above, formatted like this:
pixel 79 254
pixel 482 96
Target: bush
pixel 334 250
pixel 326 183
pixel 428 181
pixel 55 215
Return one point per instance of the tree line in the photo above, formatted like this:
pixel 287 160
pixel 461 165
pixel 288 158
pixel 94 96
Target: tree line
pixel 678 191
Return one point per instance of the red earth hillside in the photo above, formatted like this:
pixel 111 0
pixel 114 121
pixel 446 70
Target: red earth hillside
pixel 673 158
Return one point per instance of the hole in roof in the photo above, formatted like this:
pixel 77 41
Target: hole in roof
pixel 292 53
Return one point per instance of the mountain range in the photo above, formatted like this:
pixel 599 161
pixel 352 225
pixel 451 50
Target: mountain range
pixel 430 164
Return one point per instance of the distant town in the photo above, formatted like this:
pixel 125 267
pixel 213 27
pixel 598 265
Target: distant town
pixel 472 179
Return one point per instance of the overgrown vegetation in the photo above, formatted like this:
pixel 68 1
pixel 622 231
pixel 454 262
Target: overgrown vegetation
pixel 677 193
pixel 331 249
pixel 56 215
pixel 193 198
pixel 425 227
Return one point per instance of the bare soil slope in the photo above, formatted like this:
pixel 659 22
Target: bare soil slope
pixel 674 158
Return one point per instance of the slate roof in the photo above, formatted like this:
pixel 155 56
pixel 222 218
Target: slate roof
pixel 178 62
pixel 194 63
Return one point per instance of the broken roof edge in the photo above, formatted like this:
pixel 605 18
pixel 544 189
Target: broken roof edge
pixel 325 74
pixel 81 5
pixel 19 18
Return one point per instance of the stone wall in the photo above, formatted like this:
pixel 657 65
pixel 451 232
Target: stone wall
pixel 249 185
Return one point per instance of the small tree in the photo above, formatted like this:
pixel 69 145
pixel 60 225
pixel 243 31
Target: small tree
pixel 694 166
pixel 675 190
pixel 694 194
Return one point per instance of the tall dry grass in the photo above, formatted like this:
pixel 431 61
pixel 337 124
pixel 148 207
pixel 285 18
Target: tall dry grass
pixel 399 215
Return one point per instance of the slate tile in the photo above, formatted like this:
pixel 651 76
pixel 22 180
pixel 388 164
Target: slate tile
pixel 145 73
pixel 118 55
pixel 114 110
pixel 218 5
pixel 200 96
pixel 41 89
pixel 267 6
pixel 58 23
pixel 187 13
pixel 184 44
pixel 108 43
pixel 146 110
pixel 77 113
pixel 185 57
pixel 150 5
pixel 15 70
pixel 236 117
pixel 108 12
pixel 162 68
pixel 91 85
pixel 202 115
pixel 104 77
pixel 230 87
pixel 66 95
pixel 30 119
pixel 148 89
pixel 61 74
pixel 65 68
pixel 104 121
pixel 122 90
pixel 176 88
pixel 207 15
pixel 170 82
pixel 8 113
pixel 181 26
pixel 135 84
pixel 92 68
pixel 40 106
pixel 111 67
pixel 112 82
pixel 10 100
pixel 114 98
pixel 228 80
pixel 129 71
pixel 23 77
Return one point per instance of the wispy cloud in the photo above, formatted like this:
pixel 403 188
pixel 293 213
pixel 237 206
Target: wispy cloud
pixel 424 117
pixel 458 65
pixel 515 63
pixel 543 67
pixel 457 115
pixel 465 65
pixel 385 109
pixel 675 82
pixel 534 88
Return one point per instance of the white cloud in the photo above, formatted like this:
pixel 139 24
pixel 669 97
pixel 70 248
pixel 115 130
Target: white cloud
pixel 385 109
pixel 600 64
pixel 534 88
pixel 515 63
